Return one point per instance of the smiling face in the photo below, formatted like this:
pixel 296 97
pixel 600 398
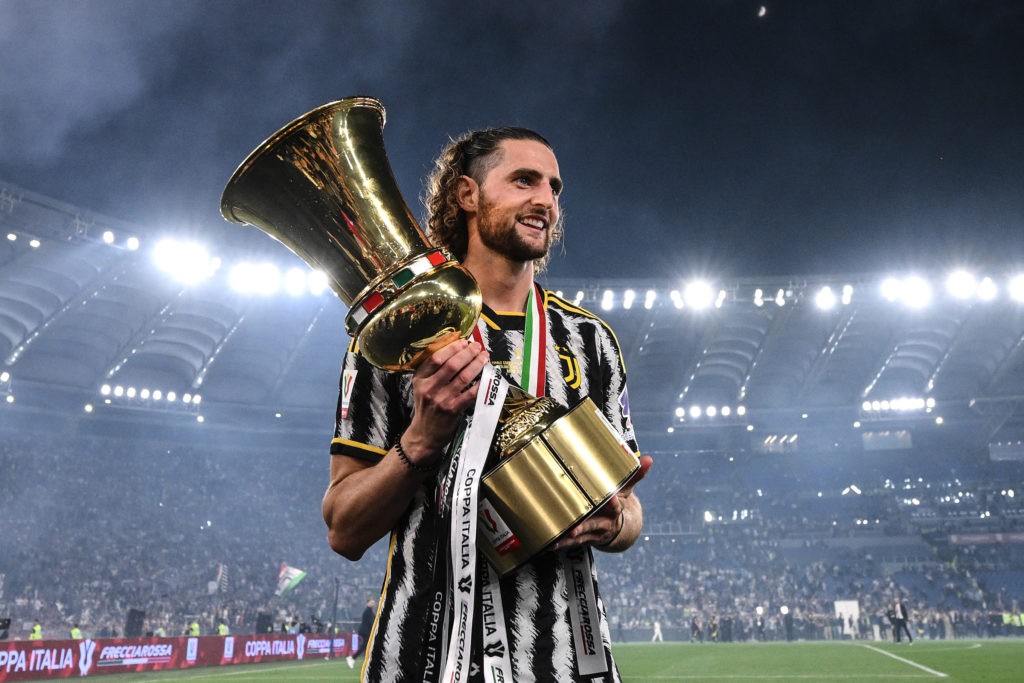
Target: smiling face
pixel 516 204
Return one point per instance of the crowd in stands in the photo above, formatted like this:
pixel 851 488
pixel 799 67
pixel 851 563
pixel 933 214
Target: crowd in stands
pixel 96 527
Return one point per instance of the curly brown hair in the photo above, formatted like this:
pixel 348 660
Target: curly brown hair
pixel 473 155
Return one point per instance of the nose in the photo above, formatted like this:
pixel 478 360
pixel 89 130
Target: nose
pixel 544 196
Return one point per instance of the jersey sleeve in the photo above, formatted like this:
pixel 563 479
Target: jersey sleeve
pixel 616 394
pixel 373 409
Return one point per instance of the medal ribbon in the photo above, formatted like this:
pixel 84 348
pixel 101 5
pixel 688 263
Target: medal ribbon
pixel 462 550
pixel 535 340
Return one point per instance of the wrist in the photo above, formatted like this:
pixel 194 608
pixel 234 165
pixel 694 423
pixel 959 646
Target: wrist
pixel 618 532
pixel 421 465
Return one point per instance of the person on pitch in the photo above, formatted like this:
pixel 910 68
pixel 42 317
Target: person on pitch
pixel 493 202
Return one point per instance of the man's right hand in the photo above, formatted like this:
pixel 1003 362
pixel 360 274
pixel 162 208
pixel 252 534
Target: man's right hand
pixel 444 387
pixel 365 500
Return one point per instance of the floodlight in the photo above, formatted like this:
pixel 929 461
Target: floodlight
pixel 250 278
pixel 987 289
pixel 607 300
pixel 680 411
pixel 726 411
pixel 627 299
pixel 119 391
pixel 649 299
pixel 961 284
pixel 741 411
pixel 5 376
pixel 677 300
pixel 157 394
pixel 144 394
pixel 847 294
pixel 132 243
pixel 698 294
pixel 34 243
pixel 108 237
pixel 916 292
pixel 825 299
pixel 709 516
pixel 711 411
pixel 891 288
pixel 105 390
pixel 130 392
pixel 317 282
pixel 1017 288
pixel 295 281
pixel 171 397
pixel 11 237
pixel 186 262
pixel 87 408
pixel 695 411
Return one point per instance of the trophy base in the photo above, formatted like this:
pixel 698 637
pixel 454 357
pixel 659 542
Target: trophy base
pixel 549 485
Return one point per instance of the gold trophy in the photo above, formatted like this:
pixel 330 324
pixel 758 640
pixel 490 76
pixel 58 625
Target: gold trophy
pixel 322 186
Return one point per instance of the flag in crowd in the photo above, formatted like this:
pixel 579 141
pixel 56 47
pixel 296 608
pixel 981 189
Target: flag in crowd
pixel 288 578
pixel 222 578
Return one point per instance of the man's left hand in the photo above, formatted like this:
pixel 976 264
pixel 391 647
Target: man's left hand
pixel 616 522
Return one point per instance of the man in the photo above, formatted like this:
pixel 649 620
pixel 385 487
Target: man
pixel 365 627
pixel 900 624
pixel 493 200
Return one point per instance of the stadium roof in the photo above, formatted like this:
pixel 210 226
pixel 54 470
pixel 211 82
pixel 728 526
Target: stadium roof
pixel 746 364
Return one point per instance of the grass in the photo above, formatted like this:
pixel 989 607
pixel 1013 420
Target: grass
pixel 960 661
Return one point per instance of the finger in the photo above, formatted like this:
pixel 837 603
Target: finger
pixel 436 362
pixel 645 465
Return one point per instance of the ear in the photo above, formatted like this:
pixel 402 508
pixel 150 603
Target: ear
pixel 467 194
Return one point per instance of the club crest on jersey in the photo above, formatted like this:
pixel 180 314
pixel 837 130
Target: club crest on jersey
pixel 570 367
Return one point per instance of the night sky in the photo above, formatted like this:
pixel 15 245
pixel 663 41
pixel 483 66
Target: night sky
pixel 725 138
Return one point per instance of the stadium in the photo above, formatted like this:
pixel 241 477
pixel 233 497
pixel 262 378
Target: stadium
pixel 824 443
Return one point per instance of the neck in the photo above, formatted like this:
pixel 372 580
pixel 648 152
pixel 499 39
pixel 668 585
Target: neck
pixel 504 284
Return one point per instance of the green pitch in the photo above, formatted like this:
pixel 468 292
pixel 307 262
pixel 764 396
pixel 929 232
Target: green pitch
pixel 960 661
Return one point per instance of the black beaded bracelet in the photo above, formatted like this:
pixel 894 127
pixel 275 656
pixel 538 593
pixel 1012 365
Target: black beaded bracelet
pixel 415 467
pixel 622 525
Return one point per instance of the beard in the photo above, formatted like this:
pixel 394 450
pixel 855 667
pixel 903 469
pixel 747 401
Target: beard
pixel 498 232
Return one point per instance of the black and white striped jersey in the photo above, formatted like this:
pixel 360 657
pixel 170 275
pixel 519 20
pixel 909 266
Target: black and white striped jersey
pixel 582 359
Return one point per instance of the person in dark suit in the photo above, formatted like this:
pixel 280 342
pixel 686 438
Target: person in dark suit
pixel 365 626
pixel 900 625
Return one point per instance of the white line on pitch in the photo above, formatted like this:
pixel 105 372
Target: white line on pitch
pixel 907 661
